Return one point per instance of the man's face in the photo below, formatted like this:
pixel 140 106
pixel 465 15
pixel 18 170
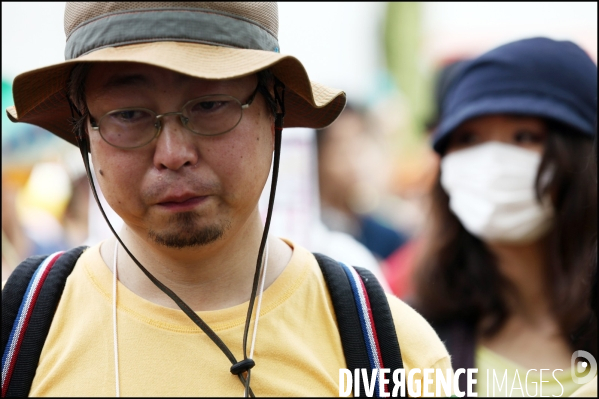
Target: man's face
pixel 181 189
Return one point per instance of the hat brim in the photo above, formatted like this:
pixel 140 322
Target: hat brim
pixel 41 95
pixel 529 104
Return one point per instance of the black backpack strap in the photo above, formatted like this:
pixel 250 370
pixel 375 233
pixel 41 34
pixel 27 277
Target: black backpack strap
pixel 22 358
pixel 354 347
pixel 349 321
pixel 383 321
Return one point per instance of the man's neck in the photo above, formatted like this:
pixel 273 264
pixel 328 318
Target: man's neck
pixel 210 277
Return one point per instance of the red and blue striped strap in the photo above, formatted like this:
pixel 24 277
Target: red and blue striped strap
pixel 366 321
pixel 21 322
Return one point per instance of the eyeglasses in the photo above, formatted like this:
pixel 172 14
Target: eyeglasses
pixel 205 116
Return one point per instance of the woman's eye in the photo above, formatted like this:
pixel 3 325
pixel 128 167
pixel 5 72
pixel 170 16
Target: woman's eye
pixel 464 138
pixel 528 137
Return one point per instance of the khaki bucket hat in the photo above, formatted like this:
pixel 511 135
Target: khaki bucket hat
pixel 209 40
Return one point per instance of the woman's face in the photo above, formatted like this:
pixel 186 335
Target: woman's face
pixel 522 131
pixel 489 173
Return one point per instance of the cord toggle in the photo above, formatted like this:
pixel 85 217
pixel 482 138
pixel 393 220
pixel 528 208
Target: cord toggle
pixel 242 366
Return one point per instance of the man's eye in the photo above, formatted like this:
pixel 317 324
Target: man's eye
pixel 208 106
pixel 132 115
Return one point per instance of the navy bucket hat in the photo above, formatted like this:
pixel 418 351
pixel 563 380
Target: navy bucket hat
pixel 537 77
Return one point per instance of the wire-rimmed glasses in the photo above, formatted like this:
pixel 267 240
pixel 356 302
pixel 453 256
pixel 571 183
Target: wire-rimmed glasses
pixel 134 127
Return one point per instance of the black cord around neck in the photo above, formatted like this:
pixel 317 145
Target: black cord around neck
pixel 279 118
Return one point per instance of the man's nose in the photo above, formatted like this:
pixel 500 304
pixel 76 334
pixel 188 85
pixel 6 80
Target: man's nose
pixel 176 146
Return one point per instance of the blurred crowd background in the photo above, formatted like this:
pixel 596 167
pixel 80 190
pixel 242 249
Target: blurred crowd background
pixel 356 190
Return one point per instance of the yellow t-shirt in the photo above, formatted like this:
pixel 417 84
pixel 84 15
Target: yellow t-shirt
pixel 500 377
pixel 298 351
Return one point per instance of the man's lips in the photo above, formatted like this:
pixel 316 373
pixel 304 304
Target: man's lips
pixel 185 203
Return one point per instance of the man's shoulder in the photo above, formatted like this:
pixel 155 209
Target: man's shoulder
pixel 420 345
pixel 67 259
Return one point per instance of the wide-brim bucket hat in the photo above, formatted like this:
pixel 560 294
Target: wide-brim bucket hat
pixel 538 77
pixel 208 40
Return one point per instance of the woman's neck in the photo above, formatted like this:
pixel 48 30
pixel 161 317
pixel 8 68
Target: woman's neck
pixel 531 335
pixel 524 267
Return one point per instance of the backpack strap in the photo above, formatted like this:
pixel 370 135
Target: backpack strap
pixel 29 299
pixel 383 321
pixel 364 319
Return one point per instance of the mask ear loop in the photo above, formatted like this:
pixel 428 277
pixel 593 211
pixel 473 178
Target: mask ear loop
pixel 84 149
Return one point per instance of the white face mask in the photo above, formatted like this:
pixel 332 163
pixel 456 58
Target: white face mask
pixel 491 190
